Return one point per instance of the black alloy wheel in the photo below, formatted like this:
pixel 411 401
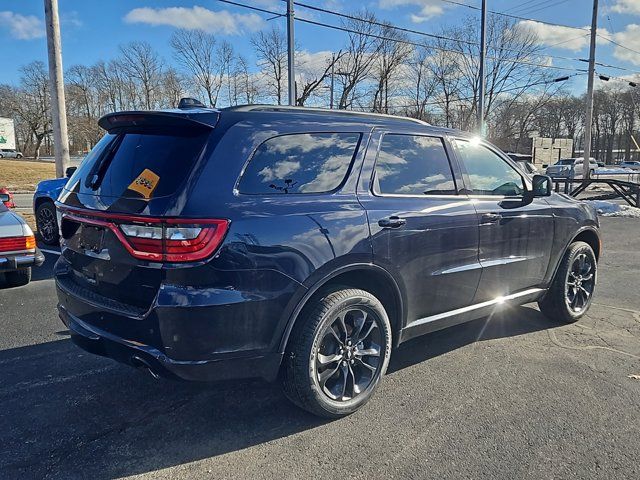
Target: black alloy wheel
pixel 348 358
pixel 580 283
pixel 47 223
pixel 570 294
pixel 337 353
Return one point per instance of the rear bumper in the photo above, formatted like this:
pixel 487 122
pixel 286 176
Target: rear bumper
pixel 562 174
pixel 136 354
pixel 20 260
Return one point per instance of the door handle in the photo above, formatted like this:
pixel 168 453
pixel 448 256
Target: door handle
pixel 490 218
pixel 391 222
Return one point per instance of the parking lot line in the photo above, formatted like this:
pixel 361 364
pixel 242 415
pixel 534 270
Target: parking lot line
pixel 55 252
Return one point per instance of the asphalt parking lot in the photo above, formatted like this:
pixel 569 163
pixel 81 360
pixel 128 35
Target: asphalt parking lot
pixel 513 396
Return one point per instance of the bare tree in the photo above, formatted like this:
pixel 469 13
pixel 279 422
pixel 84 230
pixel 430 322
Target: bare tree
pixel 443 64
pixel 355 66
pixel 32 104
pixel 84 105
pixel 271 50
pixel 195 51
pixel 315 78
pixel 513 58
pixel 515 116
pixel 142 64
pixel 244 82
pixel 224 57
pixel 424 83
pixel 172 90
pixel 391 55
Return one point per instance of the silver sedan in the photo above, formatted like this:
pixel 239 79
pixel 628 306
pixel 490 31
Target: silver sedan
pixel 18 251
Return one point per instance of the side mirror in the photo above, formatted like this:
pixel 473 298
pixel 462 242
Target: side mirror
pixel 541 186
pixel 4 197
pixel 70 171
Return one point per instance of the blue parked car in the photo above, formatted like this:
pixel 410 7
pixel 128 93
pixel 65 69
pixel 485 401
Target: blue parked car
pixel 305 245
pixel 44 208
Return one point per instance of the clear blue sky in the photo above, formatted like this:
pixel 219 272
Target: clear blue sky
pixel 93 29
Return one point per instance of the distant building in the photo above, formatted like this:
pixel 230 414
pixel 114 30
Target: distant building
pixel 540 150
pixel 547 151
pixel 7 133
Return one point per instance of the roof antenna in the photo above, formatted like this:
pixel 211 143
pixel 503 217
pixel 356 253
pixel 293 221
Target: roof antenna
pixel 187 102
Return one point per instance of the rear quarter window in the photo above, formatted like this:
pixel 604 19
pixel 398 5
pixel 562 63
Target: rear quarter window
pixel 300 163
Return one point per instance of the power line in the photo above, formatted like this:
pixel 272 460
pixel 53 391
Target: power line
pixel 250 7
pixel 415 44
pixel 441 37
pixel 519 6
pixel 606 78
pixel 543 6
pixel 618 44
pixel 516 17
pixel 609 16
pixel 417 32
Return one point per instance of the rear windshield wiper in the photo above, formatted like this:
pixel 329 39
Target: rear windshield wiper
pixel 94 179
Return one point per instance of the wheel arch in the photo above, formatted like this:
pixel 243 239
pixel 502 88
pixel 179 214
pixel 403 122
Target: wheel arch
pixel 40 200
pixel 590 237
pixel 370 277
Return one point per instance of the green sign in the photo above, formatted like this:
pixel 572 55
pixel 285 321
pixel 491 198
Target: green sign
pixel 3 139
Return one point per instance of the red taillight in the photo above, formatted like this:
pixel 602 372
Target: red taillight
pixel 160 239
pixel 173 241
pixel 17 244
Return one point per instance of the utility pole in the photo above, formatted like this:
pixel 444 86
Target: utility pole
pixel 291 53
pixel 483 53
pixel 588 119
pixel 56 83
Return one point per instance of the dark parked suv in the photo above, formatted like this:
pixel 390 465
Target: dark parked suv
pixel 304 244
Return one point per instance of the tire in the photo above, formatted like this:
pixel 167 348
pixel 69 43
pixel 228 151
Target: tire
pixel 18 278
pixel 571 291
pixel 1 156
pixel 47 223
pixel 319 336
pixel 19 156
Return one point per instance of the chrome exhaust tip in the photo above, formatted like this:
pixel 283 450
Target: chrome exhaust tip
pixel 142 364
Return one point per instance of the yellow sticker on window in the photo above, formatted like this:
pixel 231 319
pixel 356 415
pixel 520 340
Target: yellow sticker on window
pixel 145 184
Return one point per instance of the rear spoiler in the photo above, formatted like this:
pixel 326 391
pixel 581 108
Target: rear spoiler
pixel 201 120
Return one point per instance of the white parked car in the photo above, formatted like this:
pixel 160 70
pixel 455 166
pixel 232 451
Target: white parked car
pixel 570 168
pixel 18 251
pixel 631 165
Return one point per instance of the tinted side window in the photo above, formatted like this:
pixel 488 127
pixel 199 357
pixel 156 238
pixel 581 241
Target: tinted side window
pixel 300 163
pixel 488 173
pixel 413 165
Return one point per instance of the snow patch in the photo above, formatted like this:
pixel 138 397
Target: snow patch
pixel 610 209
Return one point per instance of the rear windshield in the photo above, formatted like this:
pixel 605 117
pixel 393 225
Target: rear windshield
pixel 139 164
pixel 568 161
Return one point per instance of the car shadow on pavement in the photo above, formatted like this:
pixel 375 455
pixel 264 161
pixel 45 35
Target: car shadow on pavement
pixel 511 322
pixel 68 414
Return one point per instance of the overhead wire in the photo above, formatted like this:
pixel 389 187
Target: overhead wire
pixel 434 47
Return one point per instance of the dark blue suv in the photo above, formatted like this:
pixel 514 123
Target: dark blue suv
pixel 263 241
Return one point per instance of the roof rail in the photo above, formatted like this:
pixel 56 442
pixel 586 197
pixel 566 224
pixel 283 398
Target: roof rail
pixel 290 108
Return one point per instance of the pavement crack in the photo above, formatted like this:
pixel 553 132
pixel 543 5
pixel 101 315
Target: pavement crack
pixel 558 343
